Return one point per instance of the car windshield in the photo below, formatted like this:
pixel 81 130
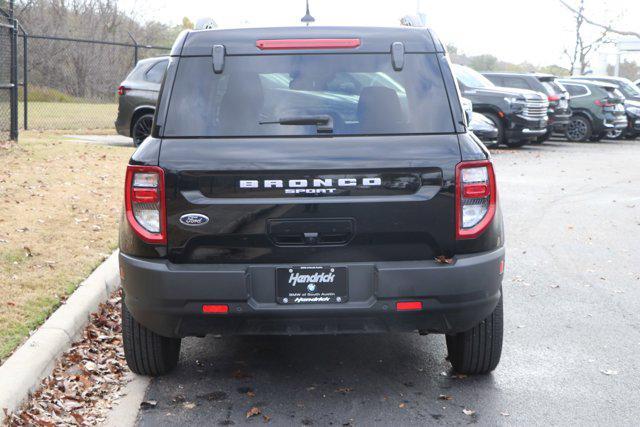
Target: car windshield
pixel 261 95
pixel 470 77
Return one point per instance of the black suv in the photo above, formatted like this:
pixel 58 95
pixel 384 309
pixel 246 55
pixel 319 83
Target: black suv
pixel 519 114
pixel 559 111
pixel 310 180
pixel 137 96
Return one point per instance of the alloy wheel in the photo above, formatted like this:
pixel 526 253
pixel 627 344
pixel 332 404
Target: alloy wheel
pixel 577 130
pixel 142 129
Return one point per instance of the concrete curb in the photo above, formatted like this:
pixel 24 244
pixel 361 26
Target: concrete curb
pixel 36 358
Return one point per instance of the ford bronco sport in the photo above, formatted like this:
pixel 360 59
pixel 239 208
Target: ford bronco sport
pixel 315 180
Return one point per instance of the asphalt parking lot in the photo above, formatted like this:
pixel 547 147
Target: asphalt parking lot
pixel 572 334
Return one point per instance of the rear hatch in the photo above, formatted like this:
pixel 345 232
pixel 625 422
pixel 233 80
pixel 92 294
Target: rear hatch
pixel 309 158
pixel 557 95
pixel 613 107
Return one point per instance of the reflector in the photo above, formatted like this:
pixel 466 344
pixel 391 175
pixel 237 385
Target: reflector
pixel 408 305
pixel 215 309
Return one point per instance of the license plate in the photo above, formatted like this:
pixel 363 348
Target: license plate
pixel 563 104
pixel 311 285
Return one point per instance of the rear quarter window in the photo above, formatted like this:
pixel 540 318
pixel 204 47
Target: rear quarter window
pixel 516 82
pixel 576 90
pixel 156 72
pixel 362 93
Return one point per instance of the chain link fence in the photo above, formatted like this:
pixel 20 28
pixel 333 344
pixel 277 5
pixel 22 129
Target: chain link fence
pixel 6 78
pixel 72 83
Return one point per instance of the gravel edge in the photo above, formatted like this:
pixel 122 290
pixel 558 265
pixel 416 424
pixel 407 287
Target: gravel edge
pixel 35 359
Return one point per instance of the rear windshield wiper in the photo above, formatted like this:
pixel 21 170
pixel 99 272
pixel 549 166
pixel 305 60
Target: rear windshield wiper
pixel 323 122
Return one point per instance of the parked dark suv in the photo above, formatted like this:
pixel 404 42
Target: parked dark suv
pixel 632 101
pixel 310 180
pixel 598 108
pixel 519 114
pixel 559 111
pixel 137 96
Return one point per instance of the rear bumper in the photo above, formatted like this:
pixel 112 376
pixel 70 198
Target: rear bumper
pixel 167 298
pixel 558 122
pixel 122 125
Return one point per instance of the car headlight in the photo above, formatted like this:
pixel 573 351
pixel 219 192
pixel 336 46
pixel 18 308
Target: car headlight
pixel 516 104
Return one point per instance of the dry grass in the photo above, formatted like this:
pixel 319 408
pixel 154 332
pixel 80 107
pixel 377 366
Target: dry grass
pixel 67 115
pixel 59 203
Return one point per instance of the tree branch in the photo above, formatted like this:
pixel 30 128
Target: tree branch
pixel 597 24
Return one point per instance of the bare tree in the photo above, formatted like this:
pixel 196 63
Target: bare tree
pixel 582 48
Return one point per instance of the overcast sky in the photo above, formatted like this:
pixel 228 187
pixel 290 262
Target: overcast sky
pixel 514 30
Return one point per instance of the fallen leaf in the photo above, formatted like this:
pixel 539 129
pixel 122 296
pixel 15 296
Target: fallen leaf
pixel 79 418
pixel 445 397
pixel 253 412
pixel 402 405
pixel 188 405
pixel 266 418
pixel 468 412
pixel 344 390
pixel 443 260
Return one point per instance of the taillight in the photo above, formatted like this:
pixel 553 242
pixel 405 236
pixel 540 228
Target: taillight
pixel 122 90
pixel 553 98
pixel 603 103
pixel 145 203
pixel 476 198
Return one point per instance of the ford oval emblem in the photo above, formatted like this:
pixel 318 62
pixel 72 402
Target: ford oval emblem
pixel 194 219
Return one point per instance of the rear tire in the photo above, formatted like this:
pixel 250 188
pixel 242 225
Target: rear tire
pixel 478 350
pixel 579 129
pixel 141 128
pixel 617 134
pixel 146 352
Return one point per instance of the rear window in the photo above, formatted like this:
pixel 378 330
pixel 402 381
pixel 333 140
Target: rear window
pixel 156 72
pixel 552 88
pixel 362 94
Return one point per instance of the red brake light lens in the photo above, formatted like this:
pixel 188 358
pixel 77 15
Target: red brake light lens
pixel 476 198
pixel 287 44
pixel 603 103
pixel 215 309
pixel 122 90
pixel 553 98
pixel 145 203
pixel 409 305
